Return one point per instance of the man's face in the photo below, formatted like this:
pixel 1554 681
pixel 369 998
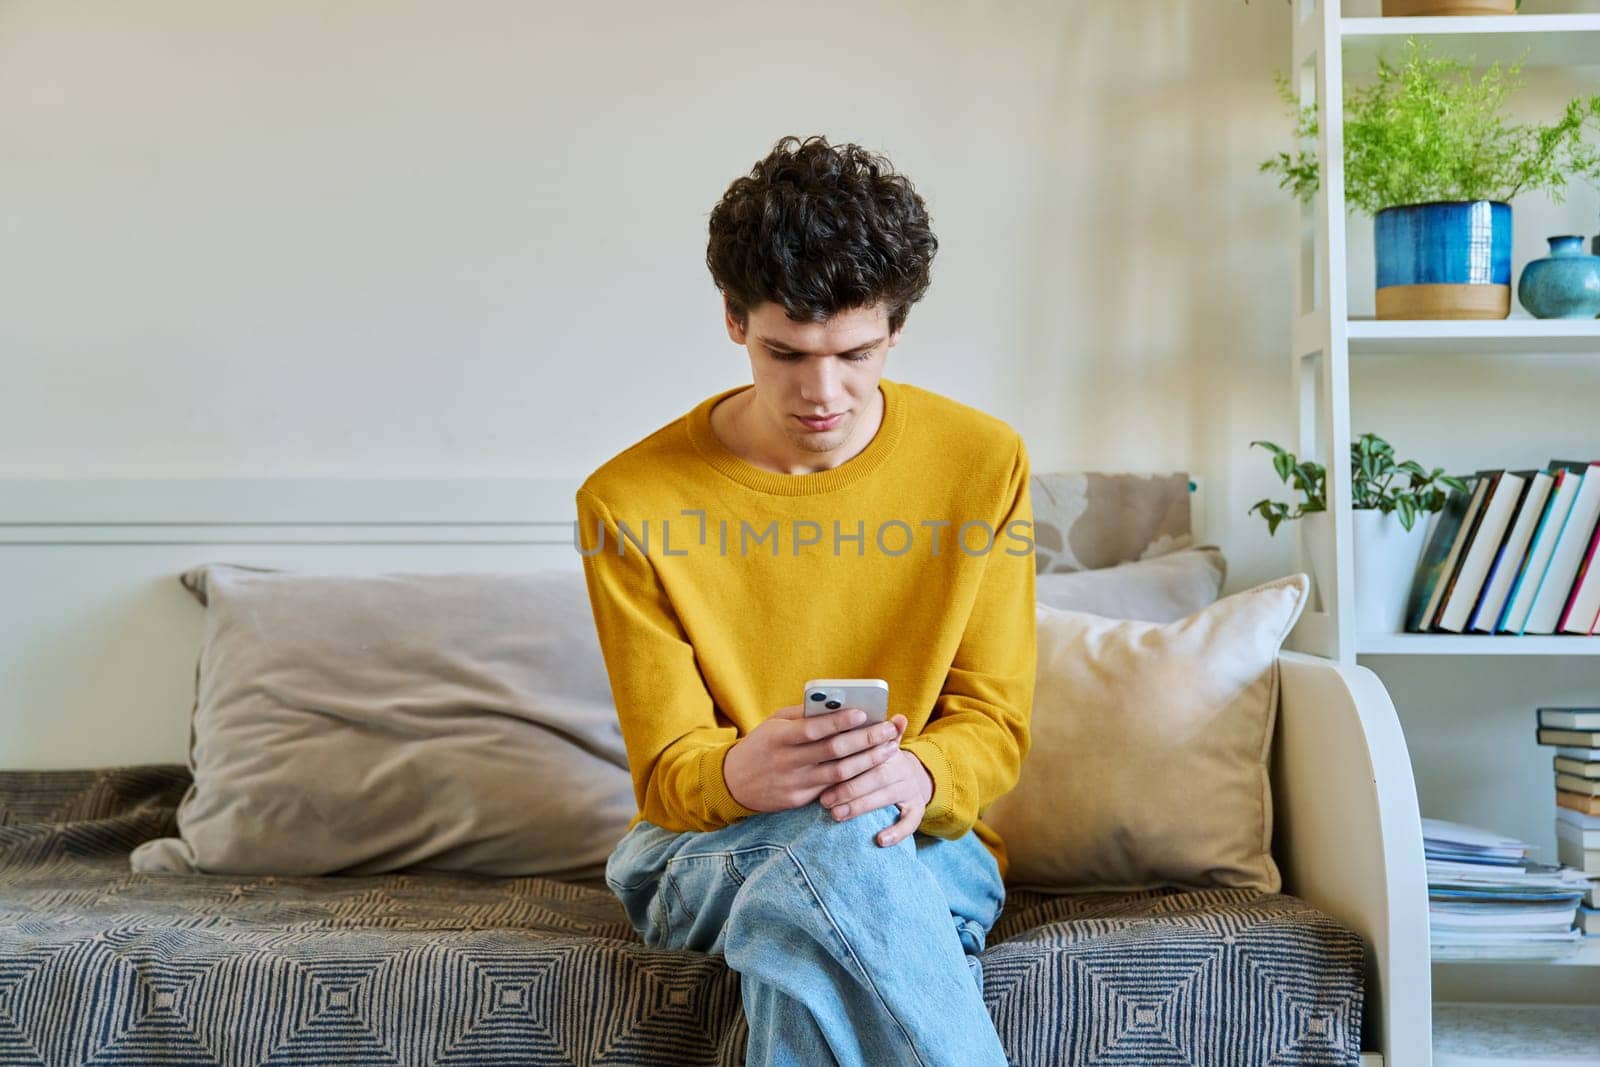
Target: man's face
pixel 814 368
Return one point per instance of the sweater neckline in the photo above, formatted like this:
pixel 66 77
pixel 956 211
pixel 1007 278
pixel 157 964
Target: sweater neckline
pixel 848 473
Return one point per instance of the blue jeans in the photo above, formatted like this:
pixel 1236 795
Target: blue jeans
pixel 848 952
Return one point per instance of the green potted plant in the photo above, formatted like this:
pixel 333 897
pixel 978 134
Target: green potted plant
pixel 1387 499
pixel 1431 156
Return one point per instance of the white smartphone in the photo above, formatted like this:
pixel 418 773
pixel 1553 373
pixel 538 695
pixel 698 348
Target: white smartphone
pixel 871 695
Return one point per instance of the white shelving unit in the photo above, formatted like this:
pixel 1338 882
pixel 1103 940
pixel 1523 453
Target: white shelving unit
pixel 1328 48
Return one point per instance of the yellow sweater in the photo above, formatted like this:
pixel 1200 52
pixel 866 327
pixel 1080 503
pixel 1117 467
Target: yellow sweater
pixel 912 562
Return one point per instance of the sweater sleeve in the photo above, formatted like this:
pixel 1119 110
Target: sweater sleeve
pixel 675 747
pixel 978 733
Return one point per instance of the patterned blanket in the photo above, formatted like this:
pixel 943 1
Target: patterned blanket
pixel 99 965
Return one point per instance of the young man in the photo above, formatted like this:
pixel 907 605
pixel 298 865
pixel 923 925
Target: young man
pixel 822 522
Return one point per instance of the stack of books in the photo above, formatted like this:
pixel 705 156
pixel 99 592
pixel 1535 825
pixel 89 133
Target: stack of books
pixel 1575 734
pixel 1488 900
pixel 1513 555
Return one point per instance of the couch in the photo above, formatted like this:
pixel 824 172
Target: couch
pixel 102 964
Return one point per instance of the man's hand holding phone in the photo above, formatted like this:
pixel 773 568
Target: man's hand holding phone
pixel 850 764
pixel 901 780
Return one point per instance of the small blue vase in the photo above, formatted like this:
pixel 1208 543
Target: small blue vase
pixel 1563 285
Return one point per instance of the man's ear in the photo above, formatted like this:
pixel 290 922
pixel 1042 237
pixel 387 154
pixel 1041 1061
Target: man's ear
pixel 735 331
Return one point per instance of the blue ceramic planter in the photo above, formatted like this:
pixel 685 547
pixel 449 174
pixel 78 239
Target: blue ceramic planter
pixel 1444 260
pixel 1564 285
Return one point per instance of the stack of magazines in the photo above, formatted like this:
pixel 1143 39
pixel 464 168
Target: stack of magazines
pixel 1488 900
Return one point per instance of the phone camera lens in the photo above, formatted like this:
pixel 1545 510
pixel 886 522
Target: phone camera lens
pixel 834 705
pixel 819 697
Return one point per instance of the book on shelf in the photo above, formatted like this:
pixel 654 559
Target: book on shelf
pixel 1570 718
pixel 1589 805
pixel 1585 838
pixel 1570 546
pixel 1488 535
pixel 1450 915
pixel 1563 490
pixel 1439 555
pixel 1589 921
pixel 1571 783
pixel 1483 487
pixel 1583 603
pixel 1509 947
pixel 1572 738
pixel 1573 854
pixel 1573 752
pixel 1577 768
pixel 1507 937
pixel 1578 819
pixel 1513 551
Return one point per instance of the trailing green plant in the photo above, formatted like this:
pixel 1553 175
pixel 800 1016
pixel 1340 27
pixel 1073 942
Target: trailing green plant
pixel 1373 471
pixel 1427 131
pixel 1307 476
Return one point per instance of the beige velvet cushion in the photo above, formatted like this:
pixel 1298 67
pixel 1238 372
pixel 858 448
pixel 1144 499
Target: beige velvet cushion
pixel 1148 765
pixel 1162 589
pixel 361 724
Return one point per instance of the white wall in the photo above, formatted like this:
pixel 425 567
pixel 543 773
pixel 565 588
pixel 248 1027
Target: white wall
pixel 451 239
pixel 429 239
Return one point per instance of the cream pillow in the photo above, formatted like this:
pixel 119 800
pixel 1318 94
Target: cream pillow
pixel 1148 764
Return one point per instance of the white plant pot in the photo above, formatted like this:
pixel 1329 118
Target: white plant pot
pixel 1316 545
pixel 1386 556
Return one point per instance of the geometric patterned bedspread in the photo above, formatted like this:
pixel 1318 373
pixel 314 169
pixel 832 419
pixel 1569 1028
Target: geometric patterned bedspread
pixel 99 965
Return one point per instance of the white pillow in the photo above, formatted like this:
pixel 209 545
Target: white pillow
pixel 1148 764
pixel 1161 589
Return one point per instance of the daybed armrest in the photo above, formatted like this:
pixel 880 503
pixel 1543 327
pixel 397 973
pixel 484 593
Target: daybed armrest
pixel 1348 837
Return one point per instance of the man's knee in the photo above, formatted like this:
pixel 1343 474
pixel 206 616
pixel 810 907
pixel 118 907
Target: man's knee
pixel 814 856
pixel 812 828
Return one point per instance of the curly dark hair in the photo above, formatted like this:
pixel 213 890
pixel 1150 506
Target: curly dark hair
pixel 818 229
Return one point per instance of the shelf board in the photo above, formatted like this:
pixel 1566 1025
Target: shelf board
pixel 1476 645
pixel 1550 40
pixel 1472 336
